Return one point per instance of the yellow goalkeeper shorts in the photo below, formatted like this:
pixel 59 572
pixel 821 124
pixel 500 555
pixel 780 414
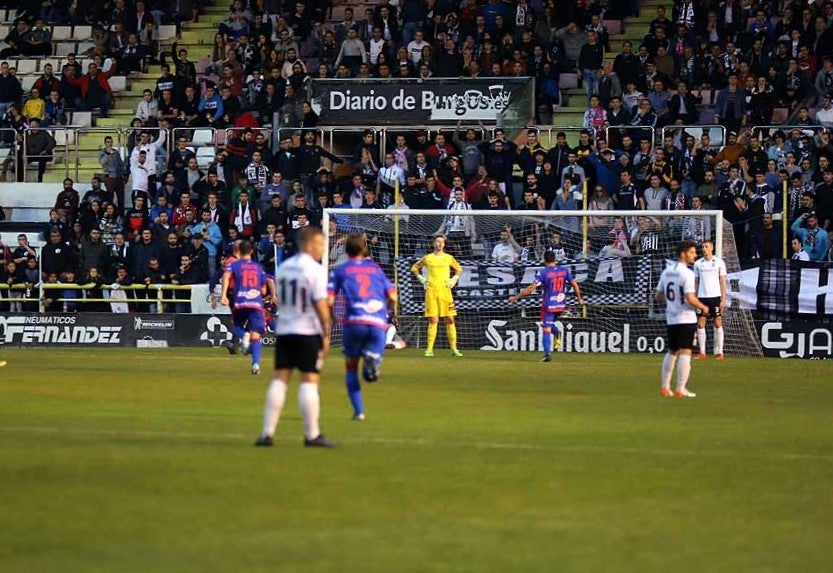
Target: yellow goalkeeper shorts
pixel 439 302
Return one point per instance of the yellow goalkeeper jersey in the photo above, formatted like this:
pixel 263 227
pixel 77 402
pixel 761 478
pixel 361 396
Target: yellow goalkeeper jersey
pixel 438 268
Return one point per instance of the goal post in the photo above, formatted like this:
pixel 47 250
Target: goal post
pixel 615 256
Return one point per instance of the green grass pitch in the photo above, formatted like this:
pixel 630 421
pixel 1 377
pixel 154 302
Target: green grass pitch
pixel 142 461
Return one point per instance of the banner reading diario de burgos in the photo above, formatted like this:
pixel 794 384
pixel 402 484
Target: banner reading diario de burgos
pixel 409 101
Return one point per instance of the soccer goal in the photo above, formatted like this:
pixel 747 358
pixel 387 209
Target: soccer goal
pixel 615 256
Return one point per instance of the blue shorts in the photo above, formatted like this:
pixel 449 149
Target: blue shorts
pixel 549 318
pixel 250 318
pixel 363 340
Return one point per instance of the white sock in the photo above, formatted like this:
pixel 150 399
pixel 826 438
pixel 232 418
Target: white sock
pixel 683 370
pixel 667 370
pixel 718 340
pixel 701 340
pixel 310 406
pixel 275 397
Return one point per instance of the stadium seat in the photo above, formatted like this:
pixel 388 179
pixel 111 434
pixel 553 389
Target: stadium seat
pixel 81 119
pixel 84 46
pixel 167 32
pixel 568 81
pixel 205 156
pixel 118 83
pixel 202 137
pixel 26 66
pixel 27 82
pixel 61 33
pixel 4 30
pixel 613 26
pixel 64 48
pixel 82 32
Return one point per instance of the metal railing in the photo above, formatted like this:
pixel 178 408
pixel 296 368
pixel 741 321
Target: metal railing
pixel 697 131
pixel 64 139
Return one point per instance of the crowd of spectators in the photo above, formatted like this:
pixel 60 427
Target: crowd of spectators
pixel 736 64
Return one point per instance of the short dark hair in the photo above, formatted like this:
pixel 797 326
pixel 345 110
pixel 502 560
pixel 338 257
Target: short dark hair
pixel 356 245
pixel 549 257
pixel 685 246
pixel 245 248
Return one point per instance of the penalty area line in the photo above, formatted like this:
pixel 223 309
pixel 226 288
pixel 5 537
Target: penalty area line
pixel 417 442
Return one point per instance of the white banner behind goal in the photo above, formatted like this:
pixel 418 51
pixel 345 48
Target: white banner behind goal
pixel 616 256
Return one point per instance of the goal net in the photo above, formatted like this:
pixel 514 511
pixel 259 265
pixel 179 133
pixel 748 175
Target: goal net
pixel 615 256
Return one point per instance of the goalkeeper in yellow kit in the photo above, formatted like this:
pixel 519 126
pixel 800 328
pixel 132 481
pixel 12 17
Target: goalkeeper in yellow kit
pixel 438 300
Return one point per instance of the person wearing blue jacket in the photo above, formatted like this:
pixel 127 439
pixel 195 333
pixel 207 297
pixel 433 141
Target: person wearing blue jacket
pixel 813 237
pixel 212 238
pixel 211 107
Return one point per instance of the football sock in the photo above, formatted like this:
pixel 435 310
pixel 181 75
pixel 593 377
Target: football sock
pixel 718 340
pixel 256 348
pixel 275 397
pixel 354 390
pixel 432 334
pixel 310 406
pixel 668 369
pixel 683 370
pixel 451 331
pixel 547 341
pixel 701 340
pixel 239 333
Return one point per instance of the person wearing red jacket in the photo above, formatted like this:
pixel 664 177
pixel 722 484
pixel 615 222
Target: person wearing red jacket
pixel 95 89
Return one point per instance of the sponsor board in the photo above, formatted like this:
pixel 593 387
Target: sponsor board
pixel 151 322
pixel 411 101
pixel 797 339
pixel 577 335
pixel 150 342
pixel 65 330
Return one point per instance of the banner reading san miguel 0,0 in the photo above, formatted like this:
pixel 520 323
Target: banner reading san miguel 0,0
pixel 403 102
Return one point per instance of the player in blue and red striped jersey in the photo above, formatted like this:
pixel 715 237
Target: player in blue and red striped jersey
pixel 554 279
pixel 367 292
pixel 249 280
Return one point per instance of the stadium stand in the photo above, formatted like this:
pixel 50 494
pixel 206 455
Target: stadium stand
pixel 687 91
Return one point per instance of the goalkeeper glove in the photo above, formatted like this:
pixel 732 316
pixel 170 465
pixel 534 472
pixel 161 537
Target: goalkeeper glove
pixel 421 278
pixel 452 282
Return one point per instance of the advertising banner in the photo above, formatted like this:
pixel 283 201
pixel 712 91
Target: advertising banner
pixel 781 289
pixel 93 329
pixel 797 339
pixel 485 285
pixel 406 101
pixel 582 335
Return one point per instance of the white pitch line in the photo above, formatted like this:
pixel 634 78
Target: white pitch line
pixel 208 437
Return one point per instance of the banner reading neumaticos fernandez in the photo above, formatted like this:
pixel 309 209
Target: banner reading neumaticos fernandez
pixel 410 101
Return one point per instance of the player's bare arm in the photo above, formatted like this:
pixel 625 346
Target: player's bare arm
pixel 524 293
pixel 322 309
pixel 270 286
pixel 577 290
pixel 224 291
pixel 692 300
pixel 722 293
pixel 659 296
